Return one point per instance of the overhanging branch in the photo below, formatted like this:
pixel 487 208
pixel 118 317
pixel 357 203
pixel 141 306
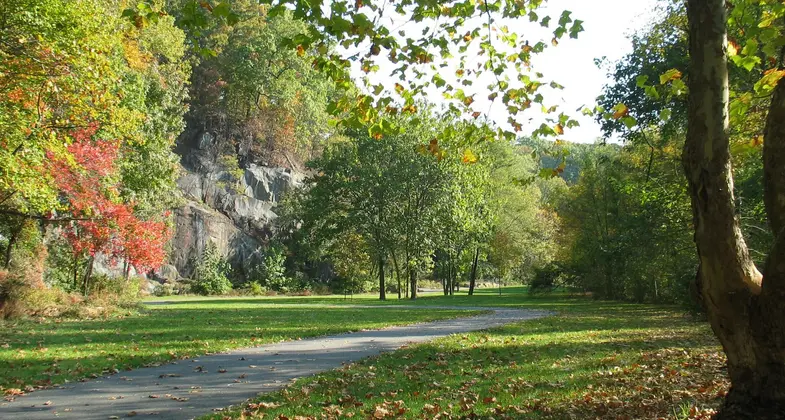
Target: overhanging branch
pixel 42 218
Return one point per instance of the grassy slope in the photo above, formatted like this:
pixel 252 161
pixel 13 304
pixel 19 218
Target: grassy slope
pixel 593 360
pixel 53 351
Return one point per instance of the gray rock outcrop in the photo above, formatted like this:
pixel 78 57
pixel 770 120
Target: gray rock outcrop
pixel 197 225
pixel 235 212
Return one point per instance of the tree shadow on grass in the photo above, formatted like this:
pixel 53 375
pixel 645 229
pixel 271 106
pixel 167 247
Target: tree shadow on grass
pixel 528 376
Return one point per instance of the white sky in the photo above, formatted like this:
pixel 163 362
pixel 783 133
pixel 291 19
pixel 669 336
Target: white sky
pixel 607 23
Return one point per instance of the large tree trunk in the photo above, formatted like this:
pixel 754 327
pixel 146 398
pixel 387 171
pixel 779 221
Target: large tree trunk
pixel 748 319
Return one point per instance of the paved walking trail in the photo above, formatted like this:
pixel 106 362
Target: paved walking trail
pixel 192 388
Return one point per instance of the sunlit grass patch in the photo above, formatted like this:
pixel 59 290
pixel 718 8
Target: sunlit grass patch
pixel 48 352
pixel 593 360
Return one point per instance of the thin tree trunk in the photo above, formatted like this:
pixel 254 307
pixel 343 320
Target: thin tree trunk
pixel 407 276
pixel 87 275
pixel 408 265
pixel 76 272
pixel 456 283
pixel 455 275
pixel 11 242
pixel 444 284
pixel 473 275
pixel 448 280
pixel 397 273
pixel 413 284
pixel 748 319
pixel 443 273
pixel 126 270
pixel 609 289
pixel 382 293
pixel 452 276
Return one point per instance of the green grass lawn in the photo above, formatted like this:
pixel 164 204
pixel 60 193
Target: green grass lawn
pixel 50 352
pixel 593 360
pixel 508 296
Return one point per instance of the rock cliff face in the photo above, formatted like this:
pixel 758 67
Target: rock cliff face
pixel 234 209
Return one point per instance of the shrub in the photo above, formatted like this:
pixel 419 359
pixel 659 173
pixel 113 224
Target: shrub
pixel 18 299
pixel 61 265
pixel 170 288
pixel 5 289
pixel 210 274
pixel 351 285
pixel 321 289
pixel 271 273
pixel 256 289
pixel 429 284
pixel 116 290
pixel 545 279
pixel 166 289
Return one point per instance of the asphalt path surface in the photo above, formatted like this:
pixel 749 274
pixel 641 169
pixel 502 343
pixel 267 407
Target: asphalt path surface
pixel 191 388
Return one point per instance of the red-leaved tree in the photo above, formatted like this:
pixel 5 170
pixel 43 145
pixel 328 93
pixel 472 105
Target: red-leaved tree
pixel 86 175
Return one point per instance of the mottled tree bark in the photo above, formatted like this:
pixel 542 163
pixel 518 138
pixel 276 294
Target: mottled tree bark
pixel 746 310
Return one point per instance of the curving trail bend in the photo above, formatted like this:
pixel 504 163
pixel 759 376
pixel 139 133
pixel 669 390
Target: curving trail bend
pixel 191 388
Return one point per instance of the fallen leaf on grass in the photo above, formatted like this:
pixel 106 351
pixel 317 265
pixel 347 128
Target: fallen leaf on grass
pixel 262 405
pixel 380 412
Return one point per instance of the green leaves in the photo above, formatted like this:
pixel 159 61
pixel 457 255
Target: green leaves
pixel 641 80
pixel 224 11
pixel 768 82
pixel 670 76
pixel 746 62
pixel 504 54
pixel 629 122
pixel 469 157
pixel 144 14
pixel 565 18
pixel 576 28
pixel 619 111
